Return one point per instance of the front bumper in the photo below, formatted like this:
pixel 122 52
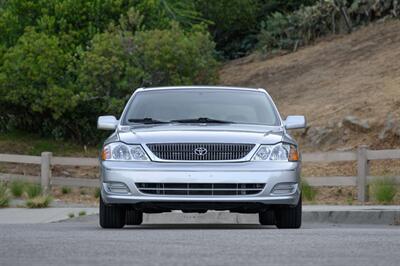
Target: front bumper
pixel 269 173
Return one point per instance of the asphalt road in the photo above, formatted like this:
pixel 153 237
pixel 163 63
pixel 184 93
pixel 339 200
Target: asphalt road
pixel 81 242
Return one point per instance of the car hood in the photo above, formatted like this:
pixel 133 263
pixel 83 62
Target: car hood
pixel 192 133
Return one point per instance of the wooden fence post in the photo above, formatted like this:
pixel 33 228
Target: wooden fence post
pixel 362 173
pixel 45 171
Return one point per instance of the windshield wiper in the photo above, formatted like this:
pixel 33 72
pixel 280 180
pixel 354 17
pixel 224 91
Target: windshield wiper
pixel 202 120
pixel 146 120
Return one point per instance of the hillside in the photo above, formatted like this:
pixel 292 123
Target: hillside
pixel 349 75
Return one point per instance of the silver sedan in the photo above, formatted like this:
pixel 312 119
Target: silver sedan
pixel 200 148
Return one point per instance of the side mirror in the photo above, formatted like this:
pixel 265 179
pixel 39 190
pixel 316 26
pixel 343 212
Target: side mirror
pixel 107 122
pixel 295 122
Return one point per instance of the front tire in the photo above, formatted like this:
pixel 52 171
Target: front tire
pixel 267 217
pixel 134 217
pixel 111 216
pixel 289 217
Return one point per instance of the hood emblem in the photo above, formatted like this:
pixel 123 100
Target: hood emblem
pixel 200 151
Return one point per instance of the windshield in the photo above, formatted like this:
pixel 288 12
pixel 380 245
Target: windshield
pixel 201 106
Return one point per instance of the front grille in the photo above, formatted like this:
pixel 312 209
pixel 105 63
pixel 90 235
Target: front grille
pixel 200 151
pixel 210 189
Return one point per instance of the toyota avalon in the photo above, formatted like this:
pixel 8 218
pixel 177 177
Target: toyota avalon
pixel 196 149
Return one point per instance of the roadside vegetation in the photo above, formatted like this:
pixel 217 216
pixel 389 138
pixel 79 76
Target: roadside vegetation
pixel 32 194
pixel 308 192
pixel 17 188
pixel 40 201
pixel 4 195
pixel 32 190
pixel 66 190
pixel 383 190
pixel 35 197
pixel 97 193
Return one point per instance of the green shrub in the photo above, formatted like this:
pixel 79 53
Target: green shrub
pixel 66 190
pixel 71 215
pixel 118 61
pixel 40 201
pixel 283 30
pixel 4 195
pixel 97 193
pixel 383 190
pixel 173 56
pixel 287 31
pixel 75 21
pixel 82 213
pixel 33 78
pixel 17 188
pixel 307 191
pixel 33 190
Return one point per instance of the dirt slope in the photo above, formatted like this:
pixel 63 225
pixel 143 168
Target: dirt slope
pixel 356 74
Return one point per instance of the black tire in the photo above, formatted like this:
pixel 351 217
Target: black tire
pixel 111 216
pixel 289 217
pixel 267 217
pixel 134 217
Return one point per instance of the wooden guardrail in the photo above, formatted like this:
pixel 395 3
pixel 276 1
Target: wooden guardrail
pixel 363 156
pixel 46 160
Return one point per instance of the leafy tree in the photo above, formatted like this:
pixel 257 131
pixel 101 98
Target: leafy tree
pixel 76 22
pixel 73 64
pixel 158 14
pixel 267 7
pixel 232 22
pixel 32 77
pixel 119 61
pixel 174 57
pixel 73 22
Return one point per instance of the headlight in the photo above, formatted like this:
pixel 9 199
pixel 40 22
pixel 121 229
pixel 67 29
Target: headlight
pixel 118 151
pixel 277 152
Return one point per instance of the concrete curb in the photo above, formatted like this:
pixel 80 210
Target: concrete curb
pixel 39 216
pixel 383 215
pixel 354 217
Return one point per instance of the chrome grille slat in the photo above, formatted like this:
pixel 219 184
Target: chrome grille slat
pixel 220 189
pixel 215 151
pixel 211 189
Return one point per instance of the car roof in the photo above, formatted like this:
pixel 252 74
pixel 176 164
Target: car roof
pixel 200 87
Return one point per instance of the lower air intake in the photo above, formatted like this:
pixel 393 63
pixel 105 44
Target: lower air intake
pixel 209 189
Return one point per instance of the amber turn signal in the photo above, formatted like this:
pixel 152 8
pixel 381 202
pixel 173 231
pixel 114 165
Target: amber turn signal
pixel 105 154
pixel 293 154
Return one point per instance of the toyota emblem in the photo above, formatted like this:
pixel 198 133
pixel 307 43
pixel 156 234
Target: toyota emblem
pixel 200 151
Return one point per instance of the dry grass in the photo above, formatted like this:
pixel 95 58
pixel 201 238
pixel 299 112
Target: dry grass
pixel 41 201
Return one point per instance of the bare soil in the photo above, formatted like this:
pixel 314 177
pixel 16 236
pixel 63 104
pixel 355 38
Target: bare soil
pixel 356 74
pixel 85 196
